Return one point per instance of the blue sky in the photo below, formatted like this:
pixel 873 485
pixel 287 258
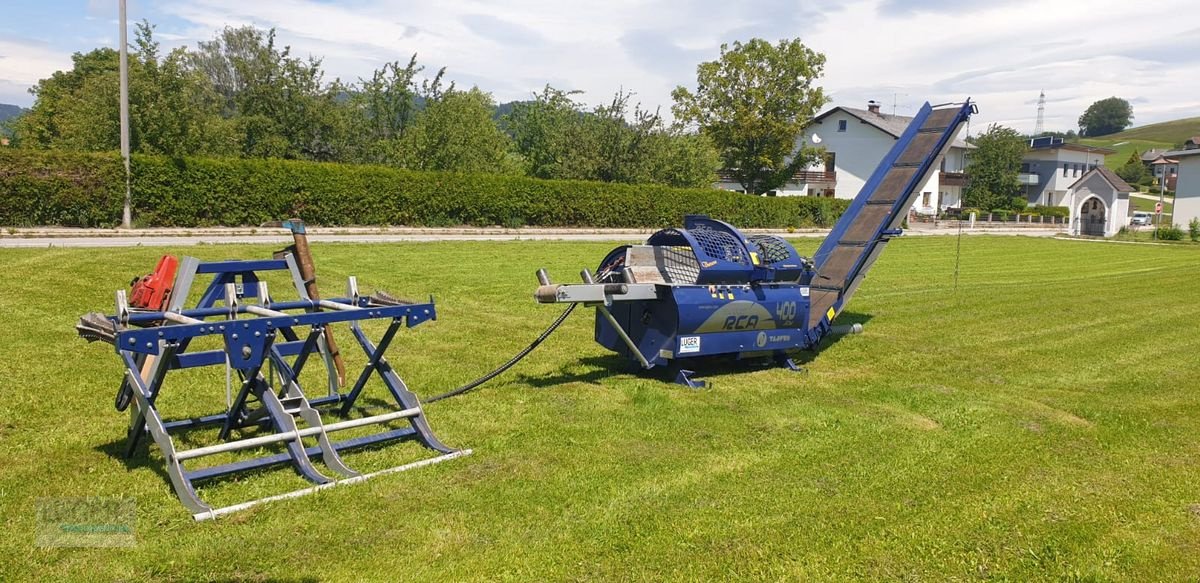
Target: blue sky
pixel 1000 52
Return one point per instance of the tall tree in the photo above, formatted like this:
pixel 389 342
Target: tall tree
pixel 456 133
pixel 280 104
pixel 172 111
pixel 551 133
pixel 1104 117
pixel 1133 171
pixel 753 103
pixel 995 164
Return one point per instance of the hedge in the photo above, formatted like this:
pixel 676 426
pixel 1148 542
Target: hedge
pixel 87 190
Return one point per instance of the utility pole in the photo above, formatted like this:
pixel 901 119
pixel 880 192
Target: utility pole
pixel 126 213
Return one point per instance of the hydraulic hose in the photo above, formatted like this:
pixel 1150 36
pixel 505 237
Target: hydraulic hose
pixel 512 361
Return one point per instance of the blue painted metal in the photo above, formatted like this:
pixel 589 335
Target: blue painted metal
pixel 754 296
pixel 249 347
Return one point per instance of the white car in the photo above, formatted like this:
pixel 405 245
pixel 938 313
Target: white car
pixel 1141 218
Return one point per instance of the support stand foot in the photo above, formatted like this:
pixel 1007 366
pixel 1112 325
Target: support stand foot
pixel 684 377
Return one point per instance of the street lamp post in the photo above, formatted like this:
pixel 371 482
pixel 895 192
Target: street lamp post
pixel 126 213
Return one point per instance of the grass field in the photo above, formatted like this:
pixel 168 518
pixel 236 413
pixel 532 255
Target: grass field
pixel 1162 136
pixel 1040 423
pixel 1124 148
pixel 1137 203
pixel 1173 132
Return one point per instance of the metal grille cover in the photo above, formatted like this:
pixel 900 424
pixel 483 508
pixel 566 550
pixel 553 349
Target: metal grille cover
pixel 719 245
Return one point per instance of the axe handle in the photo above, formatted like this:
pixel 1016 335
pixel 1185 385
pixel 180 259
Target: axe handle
pixel 309 274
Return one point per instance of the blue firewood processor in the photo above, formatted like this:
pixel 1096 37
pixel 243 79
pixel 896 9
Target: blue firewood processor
pixel 692 293
pixel 707 289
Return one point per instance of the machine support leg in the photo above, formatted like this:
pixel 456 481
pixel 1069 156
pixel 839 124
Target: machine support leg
pixel 374 356
pixel 624 336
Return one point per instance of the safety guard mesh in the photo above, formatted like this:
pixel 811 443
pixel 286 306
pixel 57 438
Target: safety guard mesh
pixel 771 249
pixel 719 244
pixel 680 265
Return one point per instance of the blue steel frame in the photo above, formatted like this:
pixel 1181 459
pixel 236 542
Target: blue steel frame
pixel 249 344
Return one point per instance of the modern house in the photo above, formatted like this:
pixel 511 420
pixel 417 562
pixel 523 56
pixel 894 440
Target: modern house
pixel 1051 167
pixel 855 140
pixel 1187 189
pixel 1099 203
pixel 1149 157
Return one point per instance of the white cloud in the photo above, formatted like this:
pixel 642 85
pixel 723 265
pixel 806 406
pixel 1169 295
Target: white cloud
pixel 22 64
pixel 999 52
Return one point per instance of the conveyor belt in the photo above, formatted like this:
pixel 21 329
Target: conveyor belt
pixel 857 237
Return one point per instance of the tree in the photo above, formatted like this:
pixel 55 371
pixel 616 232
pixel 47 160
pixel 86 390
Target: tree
pixel 456 133
pixel 1133 171
pixel 1104 117
pixel 551 133
pixel 279 105
pixel 993 170
pixel 172 111
pixel 753 102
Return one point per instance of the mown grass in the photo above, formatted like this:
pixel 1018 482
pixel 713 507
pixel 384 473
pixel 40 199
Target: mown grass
pixel 1039 423
pixel 1138 203
pixel 1125 147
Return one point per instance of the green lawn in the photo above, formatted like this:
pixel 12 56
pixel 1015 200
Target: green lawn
pixel 1124 148
pixel 1138 203
pixel 1038 424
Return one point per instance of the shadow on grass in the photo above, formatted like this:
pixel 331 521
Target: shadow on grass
pixel 714 367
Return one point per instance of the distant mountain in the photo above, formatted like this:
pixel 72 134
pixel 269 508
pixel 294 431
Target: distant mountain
pixel 7 111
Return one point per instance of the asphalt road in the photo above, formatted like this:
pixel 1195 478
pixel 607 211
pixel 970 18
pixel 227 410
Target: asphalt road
pixel 34 238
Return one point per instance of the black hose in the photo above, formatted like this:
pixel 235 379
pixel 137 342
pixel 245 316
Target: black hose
pixel 514 360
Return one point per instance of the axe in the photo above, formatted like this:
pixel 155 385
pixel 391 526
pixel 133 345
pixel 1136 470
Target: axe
pixel 299 250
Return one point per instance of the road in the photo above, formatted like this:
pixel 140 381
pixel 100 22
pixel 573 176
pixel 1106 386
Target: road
pixel 96 238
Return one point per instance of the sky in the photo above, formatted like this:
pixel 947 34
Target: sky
pixel 1001 53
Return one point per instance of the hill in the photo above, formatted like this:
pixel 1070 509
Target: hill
pixel 1173 132
pixel 1167 135
pixel 8 111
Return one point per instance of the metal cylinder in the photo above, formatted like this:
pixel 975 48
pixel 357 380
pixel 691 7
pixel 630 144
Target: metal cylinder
pixel 543 277
pixel 846 330
pixel 616 288
pixel 546 294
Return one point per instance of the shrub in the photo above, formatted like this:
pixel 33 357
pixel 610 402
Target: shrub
pixel 1018 204
pixel 87 190
pixel 1170 233
pixel 1051 211
pixel 1194 229
pixel 1002 214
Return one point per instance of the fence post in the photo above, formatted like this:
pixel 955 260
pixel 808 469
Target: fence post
pixel 972 220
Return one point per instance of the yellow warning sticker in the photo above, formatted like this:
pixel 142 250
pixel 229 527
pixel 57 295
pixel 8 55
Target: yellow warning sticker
pixel 754 258
pixel 830 314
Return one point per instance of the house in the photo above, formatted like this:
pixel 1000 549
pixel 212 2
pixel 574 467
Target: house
pixel 1187 189
pixel 1149 157
pixel 855 140
pixel 1052 166
pixel 1099 203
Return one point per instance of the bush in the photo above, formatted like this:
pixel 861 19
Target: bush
pixel 1002 214
pixel 1051 211
pixel 87 190
pixel 1018 204
pixel 1194 229
pixel 1171 233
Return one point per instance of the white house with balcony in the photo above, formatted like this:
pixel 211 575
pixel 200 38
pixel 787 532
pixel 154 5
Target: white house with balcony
pixel 855 141
pixel 1187 186
pixel 1051 166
